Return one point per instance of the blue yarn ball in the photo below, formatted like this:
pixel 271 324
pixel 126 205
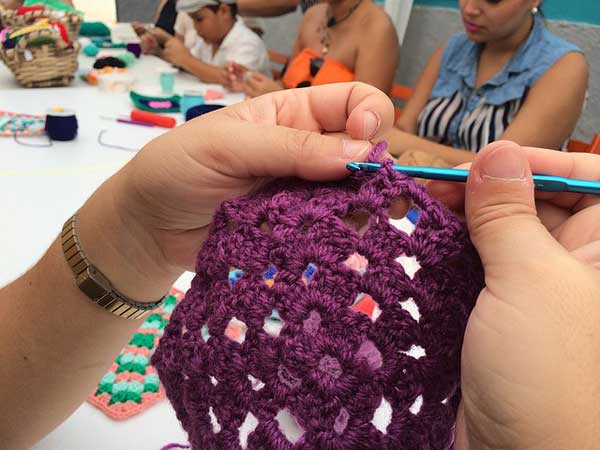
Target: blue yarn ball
pixel 91 50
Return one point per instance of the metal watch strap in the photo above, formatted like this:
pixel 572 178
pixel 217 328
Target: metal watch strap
pixel 94 284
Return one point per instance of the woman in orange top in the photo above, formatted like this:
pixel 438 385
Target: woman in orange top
pixel 331 47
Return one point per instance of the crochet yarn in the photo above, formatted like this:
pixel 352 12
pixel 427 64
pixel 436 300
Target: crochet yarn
pixel 324 316
pixel 131 384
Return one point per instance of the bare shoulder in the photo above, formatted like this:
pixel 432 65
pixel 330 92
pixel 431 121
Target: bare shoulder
pixel 315 13
pixel 573 62
pixel 571 69
pixel 376 22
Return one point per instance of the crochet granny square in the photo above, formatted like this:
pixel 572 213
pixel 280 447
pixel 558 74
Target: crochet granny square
pixel 324 316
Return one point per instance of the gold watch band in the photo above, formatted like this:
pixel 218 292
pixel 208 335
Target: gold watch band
pixel 94 284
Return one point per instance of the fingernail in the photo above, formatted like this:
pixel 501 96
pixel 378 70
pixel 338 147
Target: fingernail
pixel 355 149
pixel 505 163
pixel 371 124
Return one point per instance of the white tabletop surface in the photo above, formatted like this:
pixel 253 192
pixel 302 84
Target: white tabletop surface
pixel 40 187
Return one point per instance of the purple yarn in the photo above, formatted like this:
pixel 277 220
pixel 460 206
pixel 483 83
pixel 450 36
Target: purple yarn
pixel 174 446
pixel 135 48
pixel 335 370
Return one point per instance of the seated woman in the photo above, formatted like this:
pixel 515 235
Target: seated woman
pixel 330 47
pixel 507 77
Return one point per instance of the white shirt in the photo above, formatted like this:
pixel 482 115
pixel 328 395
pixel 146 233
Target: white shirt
pixel 241 45
pixel 184 25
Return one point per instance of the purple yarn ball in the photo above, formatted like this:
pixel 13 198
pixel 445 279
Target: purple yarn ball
pixel 135 48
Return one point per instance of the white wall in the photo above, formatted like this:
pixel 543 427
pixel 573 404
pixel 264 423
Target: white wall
pixel 98 10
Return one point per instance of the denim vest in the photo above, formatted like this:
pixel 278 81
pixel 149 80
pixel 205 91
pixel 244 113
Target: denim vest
pixel 457 77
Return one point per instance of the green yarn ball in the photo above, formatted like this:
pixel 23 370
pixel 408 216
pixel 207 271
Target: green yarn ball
pixel 127 57
pixel 94 29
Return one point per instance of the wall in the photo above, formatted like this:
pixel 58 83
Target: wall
pixel 586 11
pixel 140 10
pixel 430 26
pixel 97 10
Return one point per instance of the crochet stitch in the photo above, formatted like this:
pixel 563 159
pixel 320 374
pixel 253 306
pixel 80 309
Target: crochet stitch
pixel 131 385
pixel 321 318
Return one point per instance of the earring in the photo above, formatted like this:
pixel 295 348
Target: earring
pixel 535 10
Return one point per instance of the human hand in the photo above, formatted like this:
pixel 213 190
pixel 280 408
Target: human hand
pixel 175 52
pixel 256 84
pixel 161 36
pixel 149 44
pixel 139 28
pixel 235 73
pixel 530 359
pixel 147 223
pixel 420 158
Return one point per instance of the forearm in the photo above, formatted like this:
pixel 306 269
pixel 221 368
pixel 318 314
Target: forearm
pixel 266 8
pixel 204 72
pixel 55 343
pixel 55 346
pixel 400 141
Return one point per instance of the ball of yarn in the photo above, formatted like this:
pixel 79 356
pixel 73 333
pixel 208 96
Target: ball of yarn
pixel 91 50
pixel 127 58
pixel 109 61
pixel 197 111
pixel 61 127
pixel 324 316
pixel 135 48
pixel 94 29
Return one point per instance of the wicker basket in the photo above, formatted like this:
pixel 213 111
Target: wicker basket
pixel 71 21
pixel 48 65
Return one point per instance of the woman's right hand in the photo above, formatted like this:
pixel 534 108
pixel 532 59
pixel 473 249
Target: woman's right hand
pixel 531 353
pixel 234 76
pixel 257 84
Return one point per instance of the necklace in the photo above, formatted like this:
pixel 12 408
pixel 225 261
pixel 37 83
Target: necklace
pixel 332 22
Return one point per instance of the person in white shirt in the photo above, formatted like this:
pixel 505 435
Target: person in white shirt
pixel 185 30
pixel 154 39
pixel 222 39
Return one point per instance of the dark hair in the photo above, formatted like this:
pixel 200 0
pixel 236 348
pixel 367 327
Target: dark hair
pixel 233 8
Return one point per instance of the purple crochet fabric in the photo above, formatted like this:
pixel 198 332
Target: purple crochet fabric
pixel 301 331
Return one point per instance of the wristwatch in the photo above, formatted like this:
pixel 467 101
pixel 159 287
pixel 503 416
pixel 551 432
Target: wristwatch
pixel 94 284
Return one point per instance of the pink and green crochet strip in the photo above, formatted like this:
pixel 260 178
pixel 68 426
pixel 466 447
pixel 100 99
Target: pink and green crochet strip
pixel 304 330
pixel 131 385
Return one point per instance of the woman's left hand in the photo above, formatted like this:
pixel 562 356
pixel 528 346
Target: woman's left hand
pixel 163 201
pixel 529 372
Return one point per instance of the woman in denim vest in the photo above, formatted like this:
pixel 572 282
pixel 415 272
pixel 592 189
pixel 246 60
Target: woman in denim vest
pixel 507 77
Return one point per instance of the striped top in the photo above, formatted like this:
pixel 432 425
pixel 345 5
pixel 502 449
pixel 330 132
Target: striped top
pixel 461 116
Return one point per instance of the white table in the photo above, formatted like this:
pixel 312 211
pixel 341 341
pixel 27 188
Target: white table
pixel 40 187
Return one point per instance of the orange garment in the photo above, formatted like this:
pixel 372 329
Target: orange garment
pixel 331 71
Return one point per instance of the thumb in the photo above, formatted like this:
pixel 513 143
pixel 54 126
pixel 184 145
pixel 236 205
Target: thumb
pixel 501 213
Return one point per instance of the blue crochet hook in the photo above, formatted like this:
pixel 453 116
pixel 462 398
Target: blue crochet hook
pixel 546 183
